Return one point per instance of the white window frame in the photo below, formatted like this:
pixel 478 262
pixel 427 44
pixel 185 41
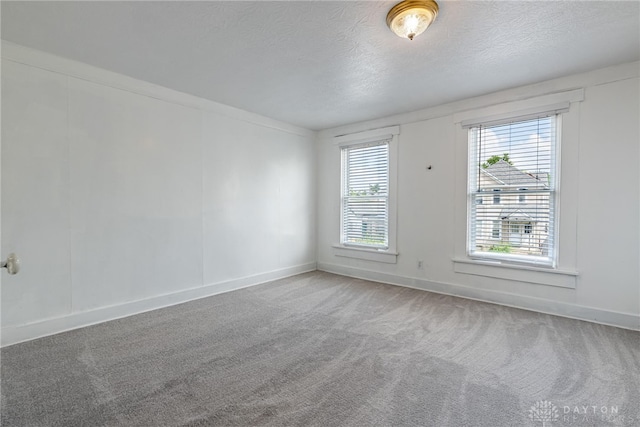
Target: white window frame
pixel 538 261
pixel 344 198
pixel 564 274
pixel 384 255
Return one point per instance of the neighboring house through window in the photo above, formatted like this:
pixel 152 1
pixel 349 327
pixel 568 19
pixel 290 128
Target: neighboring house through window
pixel 516 161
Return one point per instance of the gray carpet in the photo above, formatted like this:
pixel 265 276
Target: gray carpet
pixel 324 350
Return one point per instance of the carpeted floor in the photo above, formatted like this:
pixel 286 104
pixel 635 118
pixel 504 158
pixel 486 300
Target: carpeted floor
pixel 326 350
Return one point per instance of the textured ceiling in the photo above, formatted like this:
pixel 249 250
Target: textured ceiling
pixel 319 64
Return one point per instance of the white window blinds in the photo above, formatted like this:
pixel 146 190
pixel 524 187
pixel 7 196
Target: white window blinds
pixel 512 190
pixel 365 195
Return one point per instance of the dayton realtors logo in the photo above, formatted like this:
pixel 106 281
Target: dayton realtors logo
pixel 595 414
pixel 545 412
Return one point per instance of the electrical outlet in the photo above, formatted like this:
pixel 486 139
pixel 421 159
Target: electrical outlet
pixel 420 265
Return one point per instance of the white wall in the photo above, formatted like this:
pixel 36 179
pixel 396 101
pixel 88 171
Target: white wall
pixel 600 212
pixel 120 196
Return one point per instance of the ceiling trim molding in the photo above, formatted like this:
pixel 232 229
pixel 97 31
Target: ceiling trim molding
pixel 520 110
pixel 46 61
pixel 368 136
pixel 567 84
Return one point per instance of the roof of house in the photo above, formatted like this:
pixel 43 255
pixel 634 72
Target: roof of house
pixel 524 213
pixel 510 175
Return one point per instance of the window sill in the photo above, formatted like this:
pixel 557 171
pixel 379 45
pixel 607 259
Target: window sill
pixel 387 257
pixel 519 273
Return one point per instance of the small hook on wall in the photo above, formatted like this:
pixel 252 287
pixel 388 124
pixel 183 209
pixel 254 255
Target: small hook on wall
pixel 429 167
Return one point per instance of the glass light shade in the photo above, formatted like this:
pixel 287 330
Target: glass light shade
pixel 411 18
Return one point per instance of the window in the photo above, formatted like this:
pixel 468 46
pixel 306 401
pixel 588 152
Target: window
pixel 522 197
pixel 495 231
pixel 516 160
pixel 365 195
pixel 496 197
pixel 547 253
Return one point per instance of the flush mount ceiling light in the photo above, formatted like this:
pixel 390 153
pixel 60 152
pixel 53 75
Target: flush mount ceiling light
pixel 411 17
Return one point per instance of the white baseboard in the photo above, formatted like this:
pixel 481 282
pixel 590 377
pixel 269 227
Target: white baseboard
pixel 590 314
pixel 20 333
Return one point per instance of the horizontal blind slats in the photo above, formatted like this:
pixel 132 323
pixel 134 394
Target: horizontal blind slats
pixel 512 188
pixel 365 195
